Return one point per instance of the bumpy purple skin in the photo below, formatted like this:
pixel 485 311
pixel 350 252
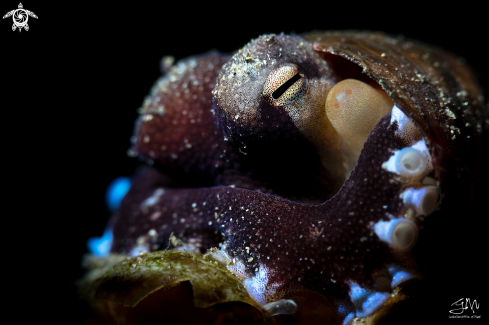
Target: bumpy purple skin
pixel 219 196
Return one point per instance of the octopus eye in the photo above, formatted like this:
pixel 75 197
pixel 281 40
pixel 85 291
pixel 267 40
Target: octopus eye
pixel 354 108
pixel 284 85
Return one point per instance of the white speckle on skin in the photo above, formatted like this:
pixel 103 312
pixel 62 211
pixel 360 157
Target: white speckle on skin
pixel 147 117
pixel 406 128
pixel 259 285
pixel 155 215
pixel 153 198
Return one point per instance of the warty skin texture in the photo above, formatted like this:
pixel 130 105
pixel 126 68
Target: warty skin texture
pixel 253 177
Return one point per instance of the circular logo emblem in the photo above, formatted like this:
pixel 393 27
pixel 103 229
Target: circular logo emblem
pixel 20 17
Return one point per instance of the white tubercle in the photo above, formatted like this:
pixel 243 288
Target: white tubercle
pixel 414 161
pixel 423 200
pixel 407 162
pixel 281 307
pixel 407 130
pixel 401 233
pixel 410 162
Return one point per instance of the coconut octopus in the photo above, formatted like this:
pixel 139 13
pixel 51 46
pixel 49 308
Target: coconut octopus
pixel 310 162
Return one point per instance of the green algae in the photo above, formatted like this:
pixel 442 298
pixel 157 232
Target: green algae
pixel 131 280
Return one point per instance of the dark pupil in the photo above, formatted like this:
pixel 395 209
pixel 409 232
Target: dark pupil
pixel 286 85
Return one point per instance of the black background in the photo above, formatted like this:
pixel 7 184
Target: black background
pixel 71 86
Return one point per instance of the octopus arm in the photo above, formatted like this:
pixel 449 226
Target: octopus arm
pixel 176 130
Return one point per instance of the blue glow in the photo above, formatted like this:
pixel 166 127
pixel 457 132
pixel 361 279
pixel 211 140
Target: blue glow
pixel 342 310
pixel 357 293
pixel 348 319
pixel 100 246
pixel 116 191
pixel 399 276
pixel 365 301
pixel 372 303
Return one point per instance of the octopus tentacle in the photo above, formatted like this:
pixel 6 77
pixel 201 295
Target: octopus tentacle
pixel 309 254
